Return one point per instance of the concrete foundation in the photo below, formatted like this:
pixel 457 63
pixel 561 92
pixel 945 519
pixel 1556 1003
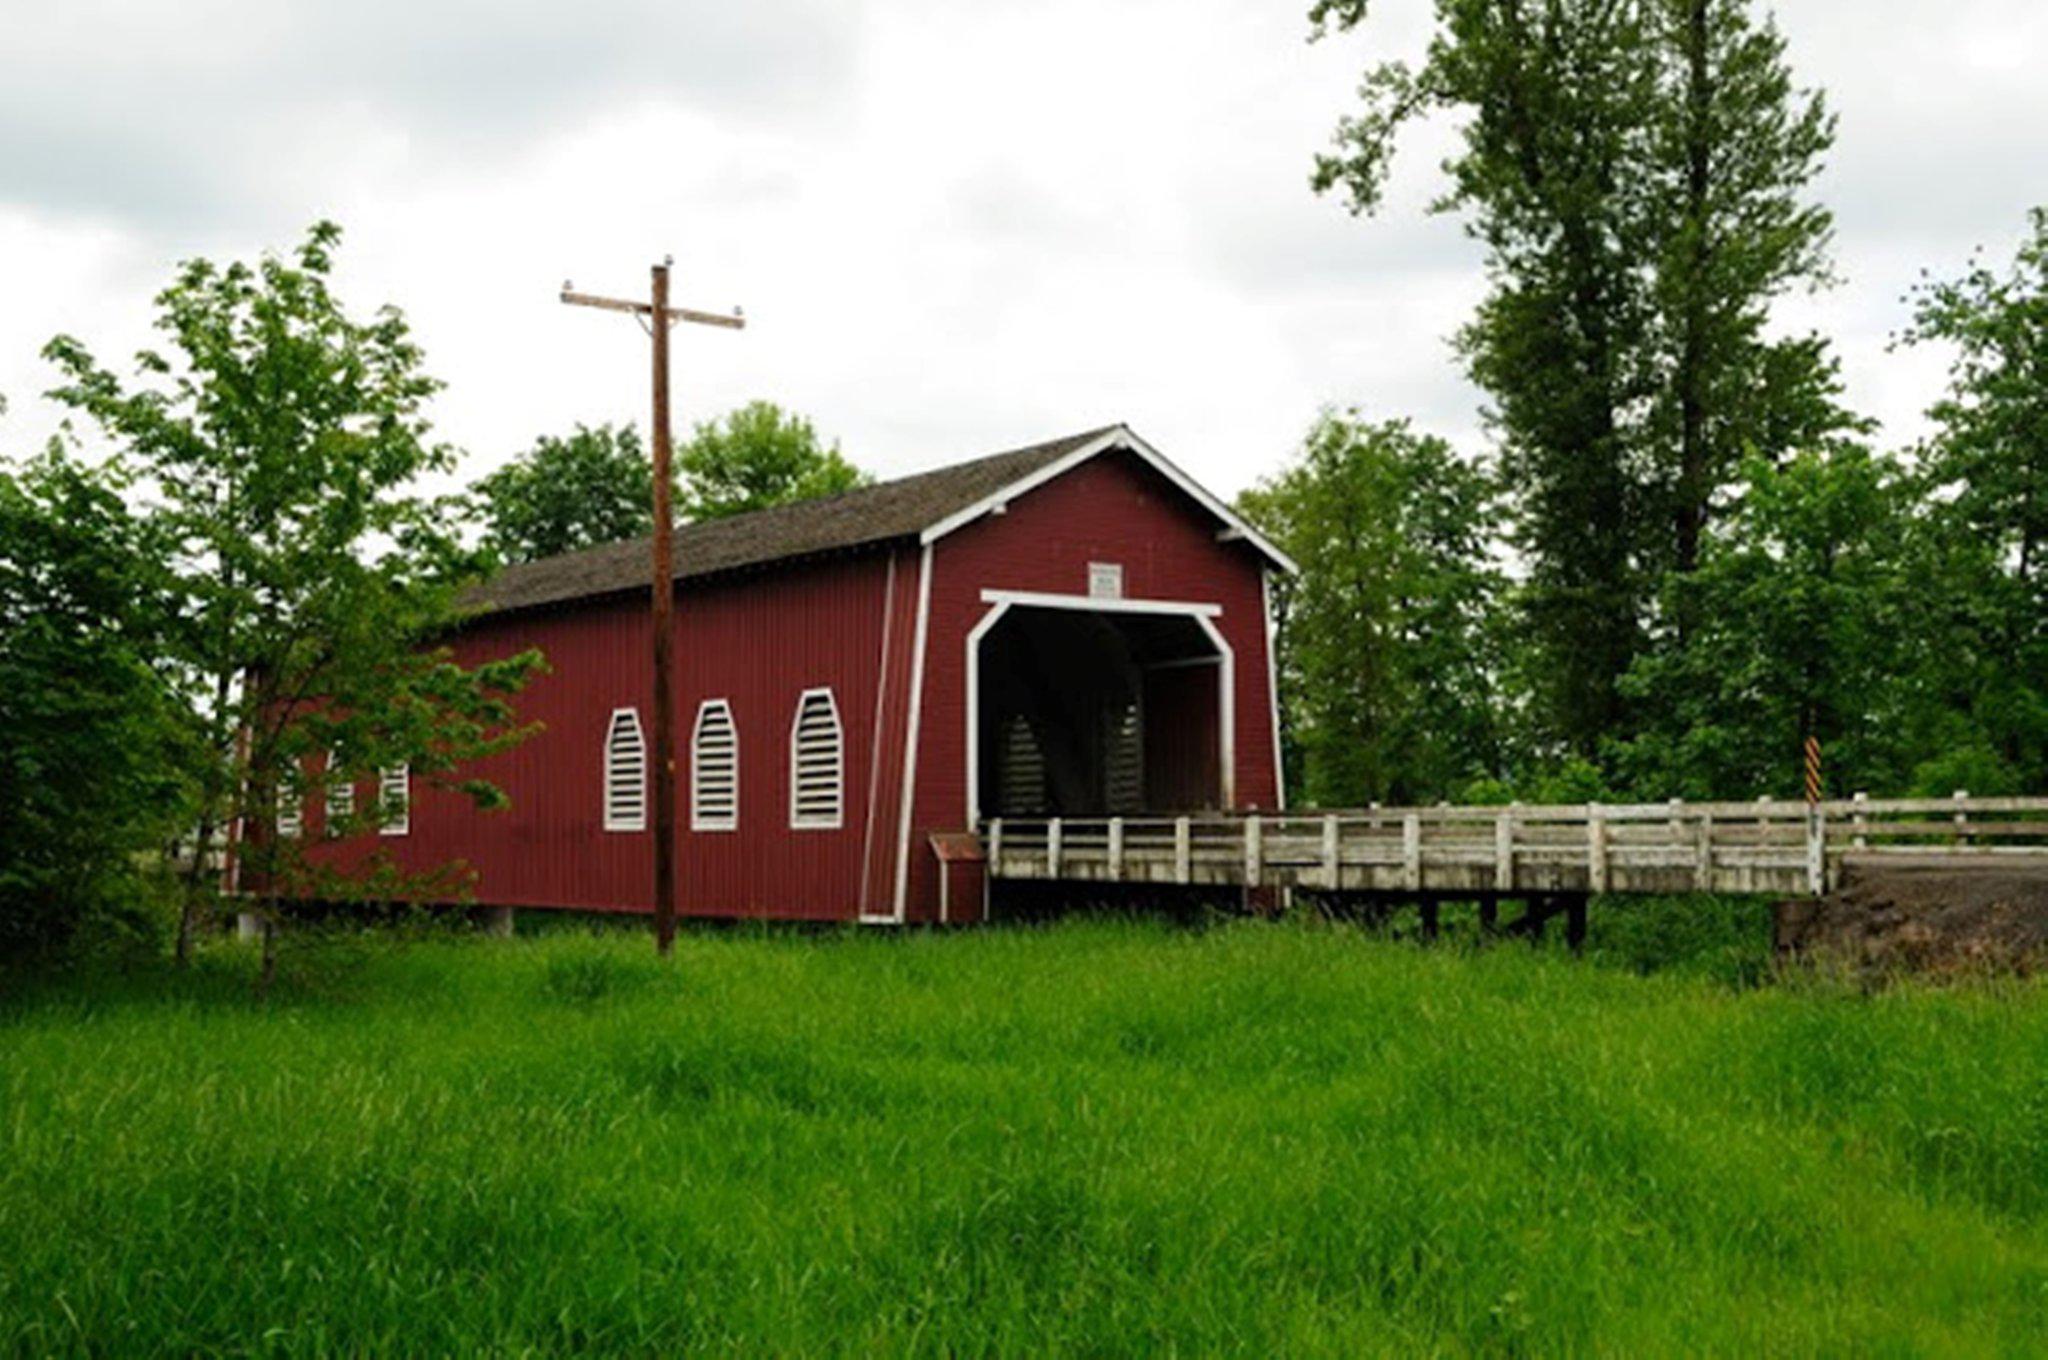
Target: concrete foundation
pixel 248 926
pixel 495 921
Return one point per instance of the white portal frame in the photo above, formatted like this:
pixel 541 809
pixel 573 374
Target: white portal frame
pixel 1202 613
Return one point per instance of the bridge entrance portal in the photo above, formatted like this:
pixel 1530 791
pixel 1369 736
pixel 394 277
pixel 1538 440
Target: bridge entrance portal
pixel 1110 712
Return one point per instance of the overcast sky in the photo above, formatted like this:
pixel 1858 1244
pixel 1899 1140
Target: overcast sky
pixel 955 225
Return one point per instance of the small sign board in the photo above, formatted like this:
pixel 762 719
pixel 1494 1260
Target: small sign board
pixel 958 847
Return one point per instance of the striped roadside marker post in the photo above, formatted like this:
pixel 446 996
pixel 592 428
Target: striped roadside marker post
pixel 1816 830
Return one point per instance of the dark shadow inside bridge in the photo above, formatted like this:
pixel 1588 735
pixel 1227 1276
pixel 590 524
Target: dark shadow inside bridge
pixel 1098 713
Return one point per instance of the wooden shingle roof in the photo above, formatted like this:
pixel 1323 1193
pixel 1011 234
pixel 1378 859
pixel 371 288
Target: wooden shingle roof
pixel 904 508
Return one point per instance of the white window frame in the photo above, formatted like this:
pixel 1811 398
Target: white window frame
pixel 291 810
pixel 1105 580
pixel 398 778
pixel 698 821
pixel 798 820
pixel 339 795
pixel 614 818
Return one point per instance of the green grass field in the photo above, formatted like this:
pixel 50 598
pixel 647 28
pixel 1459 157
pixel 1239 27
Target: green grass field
pixel 1093 1137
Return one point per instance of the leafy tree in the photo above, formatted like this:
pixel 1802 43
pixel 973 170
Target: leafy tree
pixel 1554 97
pixel 1988 470
pixel 756 457
pixel 593 486
pixel 279 451
pixel 1636 170
pixel 1808 618
pixel 1730 150
pixel 1386 670
pixel 567 493
pixel 90 734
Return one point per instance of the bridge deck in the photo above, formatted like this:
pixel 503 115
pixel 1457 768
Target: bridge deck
pixel 1761 847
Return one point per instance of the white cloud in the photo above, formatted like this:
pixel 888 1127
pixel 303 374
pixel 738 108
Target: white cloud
pixel 953 227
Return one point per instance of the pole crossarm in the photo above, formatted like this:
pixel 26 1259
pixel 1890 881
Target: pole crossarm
pixel 733 320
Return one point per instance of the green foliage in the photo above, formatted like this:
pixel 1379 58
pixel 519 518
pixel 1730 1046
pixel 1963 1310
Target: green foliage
pixel 1729 153
pixel 1093 1139
pixel 1988 473
pixel 1636 172
pixel 278 448
pixel 756 457
pixel 562 494
pixel 1809 623
pixel 1386 673
pixel 1725 940
pixel 1555 103
pixel 90 732
pixel 593 486
pixel 1898 614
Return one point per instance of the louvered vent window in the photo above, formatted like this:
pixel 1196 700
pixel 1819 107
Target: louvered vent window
pixel 817 762
pixel 290 812
pixel 341 795
pixel 394 800
pixel 1123 759
pixel 714 769
pixel 1021 788
pixel 625 773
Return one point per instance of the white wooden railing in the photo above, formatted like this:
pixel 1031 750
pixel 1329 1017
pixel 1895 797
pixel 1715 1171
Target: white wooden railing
pixel 1755 847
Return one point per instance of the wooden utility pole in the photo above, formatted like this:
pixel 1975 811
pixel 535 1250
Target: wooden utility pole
pixel 657 316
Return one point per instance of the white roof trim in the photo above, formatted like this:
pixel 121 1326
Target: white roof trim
pixel 1101 604
pixel 1121 437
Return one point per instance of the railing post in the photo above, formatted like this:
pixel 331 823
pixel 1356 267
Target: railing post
pixel 1816 851
pixel 1861 840
pixel 1962 817
pixel 1504 850
pixel 1746 880
pixel 1411 850
pixel 1596 847
pixel 1116 848
pixel 1703 853
pixel 1183 850
pixel 995 847
pixel 1254 851
pixel 1333 869
pixel 1052 848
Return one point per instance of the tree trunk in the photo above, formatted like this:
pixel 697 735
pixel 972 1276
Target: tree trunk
pixel 188 904
pixel 267 973
pixel 1694 472
pixel 209 820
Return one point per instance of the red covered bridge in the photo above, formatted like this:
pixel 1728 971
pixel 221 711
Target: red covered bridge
pixel 1070 629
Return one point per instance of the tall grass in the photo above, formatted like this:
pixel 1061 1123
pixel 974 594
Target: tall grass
pixel 1099 1137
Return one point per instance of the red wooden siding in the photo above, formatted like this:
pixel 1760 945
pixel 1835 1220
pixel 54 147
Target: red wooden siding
pixel 1113 508
pixel 760 639
pixel 549 848
pixel 882 798
pixel 1180 773
pixel 756 641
